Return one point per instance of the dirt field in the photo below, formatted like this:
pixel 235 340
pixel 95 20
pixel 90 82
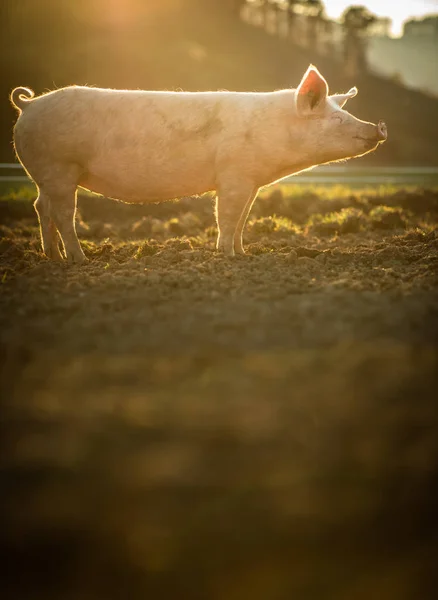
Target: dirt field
pixel 177 425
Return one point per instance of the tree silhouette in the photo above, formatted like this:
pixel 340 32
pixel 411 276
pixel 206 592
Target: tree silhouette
pixel 356 20
pixel 315 13
pixel 291 14
pixel 269 7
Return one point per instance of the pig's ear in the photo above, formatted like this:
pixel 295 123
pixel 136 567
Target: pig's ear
pixel 312 92
pixel 341 99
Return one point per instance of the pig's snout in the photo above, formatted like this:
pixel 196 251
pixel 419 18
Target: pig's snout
pixel 382 131
pixel 372 135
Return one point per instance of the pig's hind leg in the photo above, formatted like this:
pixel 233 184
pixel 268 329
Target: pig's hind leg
pixel 232 202
pixel 59 193
pixel 63 212
pixel 49 233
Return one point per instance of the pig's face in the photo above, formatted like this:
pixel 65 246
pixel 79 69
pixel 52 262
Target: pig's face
pixel 329 132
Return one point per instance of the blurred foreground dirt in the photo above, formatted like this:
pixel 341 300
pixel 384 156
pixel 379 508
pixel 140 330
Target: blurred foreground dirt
pixel 180 425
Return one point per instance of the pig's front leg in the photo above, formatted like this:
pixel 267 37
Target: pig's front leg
pixel 238 236
pixel 232 201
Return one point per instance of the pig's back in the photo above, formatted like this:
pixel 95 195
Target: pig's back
pixel 165 143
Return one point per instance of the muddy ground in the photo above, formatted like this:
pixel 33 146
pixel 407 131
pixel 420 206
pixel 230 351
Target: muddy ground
pixel 177 425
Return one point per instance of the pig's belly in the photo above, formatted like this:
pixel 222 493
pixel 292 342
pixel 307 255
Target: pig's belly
pixel 148 185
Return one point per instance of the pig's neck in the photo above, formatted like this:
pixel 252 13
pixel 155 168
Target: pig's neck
pixel 283 143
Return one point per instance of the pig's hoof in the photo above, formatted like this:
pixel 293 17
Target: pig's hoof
pixel 77 259
pixel 227 252
pixel 54 254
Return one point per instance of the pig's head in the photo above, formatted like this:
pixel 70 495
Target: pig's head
pixel 329 132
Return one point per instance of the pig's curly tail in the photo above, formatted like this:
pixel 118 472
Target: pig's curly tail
pixel 21 97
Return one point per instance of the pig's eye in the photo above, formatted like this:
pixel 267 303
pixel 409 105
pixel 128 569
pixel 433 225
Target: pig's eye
pixel 337 118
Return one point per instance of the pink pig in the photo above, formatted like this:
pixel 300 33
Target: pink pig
pixel 143 146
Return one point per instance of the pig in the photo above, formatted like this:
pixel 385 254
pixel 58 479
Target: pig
pixel 151 146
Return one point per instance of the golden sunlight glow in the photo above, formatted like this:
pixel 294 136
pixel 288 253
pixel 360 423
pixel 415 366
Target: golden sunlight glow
pixel 120 14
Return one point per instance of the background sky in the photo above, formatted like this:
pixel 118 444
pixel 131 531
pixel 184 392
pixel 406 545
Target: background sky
pixel 398 10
